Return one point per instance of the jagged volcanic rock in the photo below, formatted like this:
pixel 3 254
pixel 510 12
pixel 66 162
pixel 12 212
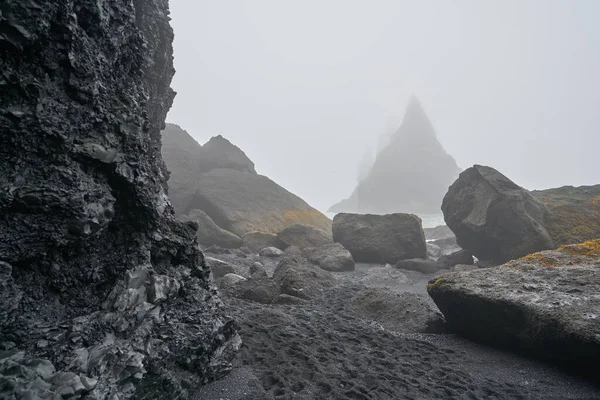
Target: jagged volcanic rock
pixel 104 294
pixel 411 174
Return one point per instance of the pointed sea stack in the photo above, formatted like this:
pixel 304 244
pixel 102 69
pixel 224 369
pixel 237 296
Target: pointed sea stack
pixel 411 174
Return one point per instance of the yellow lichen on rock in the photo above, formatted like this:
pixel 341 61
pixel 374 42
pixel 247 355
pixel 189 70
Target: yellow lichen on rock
pixel 590 248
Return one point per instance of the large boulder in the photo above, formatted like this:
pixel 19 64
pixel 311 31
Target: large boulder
pixel 303 236
pixel 209 233
pixel 103 293
pixel 330 257
pixel 494 218
pixel 380 238
pixel 297 277
pixel 546 303
pixel 256 241
pixel 410 174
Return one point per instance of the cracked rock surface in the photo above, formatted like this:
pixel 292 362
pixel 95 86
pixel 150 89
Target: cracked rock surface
pixel 103 294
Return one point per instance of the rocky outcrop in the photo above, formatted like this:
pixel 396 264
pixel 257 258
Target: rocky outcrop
pixel 219 152
pixel 303 236
pixel 575 213
pixel 494 218
pixel 103 294
pixel 411 174
pixel 380 238
pixel 220 180
pixel 330 257
pixel 546 303
pixel 209 233
pixel 497 220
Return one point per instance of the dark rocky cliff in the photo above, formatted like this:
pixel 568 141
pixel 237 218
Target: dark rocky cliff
pixel 103 293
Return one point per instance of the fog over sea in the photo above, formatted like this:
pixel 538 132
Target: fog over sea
pixel 429 220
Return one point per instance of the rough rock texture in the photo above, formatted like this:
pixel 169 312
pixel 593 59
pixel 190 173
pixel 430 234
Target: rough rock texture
pixel 399 312
pixel 260 290
pixel 575 215
pixel 298 277
pixel 256 241
pixel 419 265
pixel 411 174
pixel 494 218
pixel 209 233
pixel 218 267
pixel 104 293
pixel 230 280
pixel 224 185
pixel 303 236
pixel 460 257
pixel 546 303
pixel 271 252
pixel 380 238
pixel 330 257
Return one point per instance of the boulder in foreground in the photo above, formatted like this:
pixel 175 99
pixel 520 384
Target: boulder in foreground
pixel 380 238
pixel 546 303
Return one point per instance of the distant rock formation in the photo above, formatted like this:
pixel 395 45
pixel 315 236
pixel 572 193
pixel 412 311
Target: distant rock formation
pixel 103 293
pixel 411 174
pixel 497 220
pixel 220 180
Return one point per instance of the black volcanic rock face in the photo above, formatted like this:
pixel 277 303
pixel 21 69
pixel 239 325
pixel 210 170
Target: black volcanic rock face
pixel 108 295
pixel 411 174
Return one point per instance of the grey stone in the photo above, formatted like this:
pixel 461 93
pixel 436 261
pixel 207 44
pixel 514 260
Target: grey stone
pixel 218 267
pixel 271 252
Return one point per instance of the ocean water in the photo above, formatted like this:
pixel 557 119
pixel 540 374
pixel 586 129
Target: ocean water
pixel 429 220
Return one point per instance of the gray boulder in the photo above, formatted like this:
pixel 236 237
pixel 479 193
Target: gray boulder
pixel 209 233
pixel 330 257
pixel 260 290
pixel 419 264
pixel 257 270
pixel 398 312
pixel 460 257
pixel 218 267
pixel 293 251
pixel 303 236
pixel 546 304
pixel 494 218
pixel 271 252
pixel 297 277
pixel 380 238
pixel 256 241
pixel 230 280
pixel 433 250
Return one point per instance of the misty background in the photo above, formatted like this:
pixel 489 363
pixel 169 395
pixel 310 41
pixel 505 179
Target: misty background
pixel 304 88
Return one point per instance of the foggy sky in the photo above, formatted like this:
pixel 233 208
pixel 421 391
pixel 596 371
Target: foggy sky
pixel 303 87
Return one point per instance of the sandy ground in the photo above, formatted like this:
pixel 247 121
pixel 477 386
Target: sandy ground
pixel 328 349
